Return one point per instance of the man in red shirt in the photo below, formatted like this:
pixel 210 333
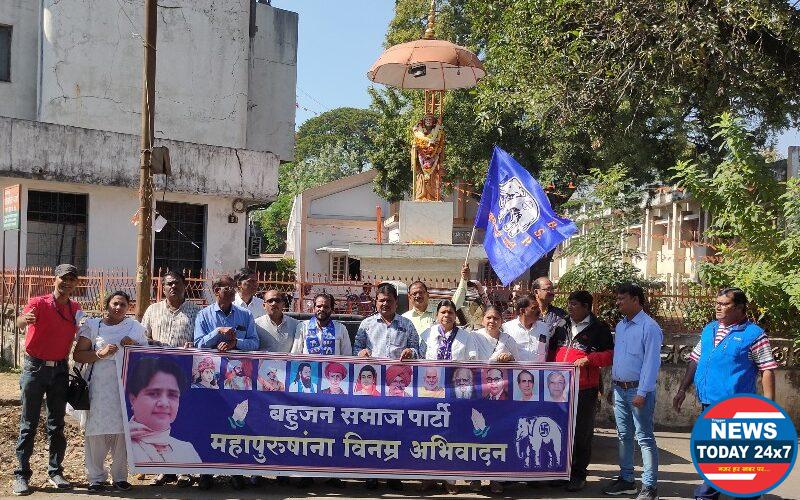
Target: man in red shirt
pixel 587 343
pixel 51 321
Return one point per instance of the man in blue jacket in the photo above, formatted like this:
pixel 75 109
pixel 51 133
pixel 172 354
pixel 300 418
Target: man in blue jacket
pixel 727 360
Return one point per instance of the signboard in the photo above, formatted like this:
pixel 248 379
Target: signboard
pixel 11 208
pixel 744 445
pixel 204 412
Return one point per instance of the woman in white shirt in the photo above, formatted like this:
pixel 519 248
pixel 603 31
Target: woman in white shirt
pixel 491 342
pixel 444 340
pixel 99 344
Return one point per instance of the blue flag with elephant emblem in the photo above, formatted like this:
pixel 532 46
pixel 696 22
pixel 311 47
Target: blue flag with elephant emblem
pixel 521 226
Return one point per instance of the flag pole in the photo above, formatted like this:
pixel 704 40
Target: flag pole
pixel 469 247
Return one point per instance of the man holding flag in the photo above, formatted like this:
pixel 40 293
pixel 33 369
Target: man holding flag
pixel 521 226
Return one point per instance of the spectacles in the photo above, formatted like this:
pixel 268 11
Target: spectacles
pixel 226 288
pixel 493 380
pixel 273 301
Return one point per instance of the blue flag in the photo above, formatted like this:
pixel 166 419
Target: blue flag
pixel 520 224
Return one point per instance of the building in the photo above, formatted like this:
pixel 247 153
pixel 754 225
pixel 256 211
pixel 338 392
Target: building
pixel 342 230
pixel 70 95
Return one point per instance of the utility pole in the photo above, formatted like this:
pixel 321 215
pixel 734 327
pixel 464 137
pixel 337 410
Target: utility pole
pixel 144 249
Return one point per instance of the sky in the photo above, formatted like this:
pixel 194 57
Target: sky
pixel 338 41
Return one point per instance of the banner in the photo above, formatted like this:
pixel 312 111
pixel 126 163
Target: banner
pixel 205 412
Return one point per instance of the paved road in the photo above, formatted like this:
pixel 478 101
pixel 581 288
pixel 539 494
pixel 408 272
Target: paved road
pixel 677 480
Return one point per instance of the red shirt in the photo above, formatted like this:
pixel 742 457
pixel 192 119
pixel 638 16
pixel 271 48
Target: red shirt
pixel 50 338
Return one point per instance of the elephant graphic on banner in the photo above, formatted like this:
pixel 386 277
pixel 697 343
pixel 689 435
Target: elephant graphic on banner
pixel 532 434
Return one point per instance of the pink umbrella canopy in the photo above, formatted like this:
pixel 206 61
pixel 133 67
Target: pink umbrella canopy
pixel 427 64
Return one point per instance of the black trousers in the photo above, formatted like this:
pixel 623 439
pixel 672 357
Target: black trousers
pixel 584 431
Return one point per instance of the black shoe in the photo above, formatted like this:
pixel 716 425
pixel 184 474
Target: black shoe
pixel 575 484
pixel 122 485
pixel 94 487
pixel 335 482
pixel 237 482
pixel 305 482
pixel 185 480
pixel 620 487
pixel 206 482
pixel 648 493
pixel 371 484
pixel 163 479
pixel 59 482
pixel 558 483
pixel 395 484
pixel 20 486
pixel 282 480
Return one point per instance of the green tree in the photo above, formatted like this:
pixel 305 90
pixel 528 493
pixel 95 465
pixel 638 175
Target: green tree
pixel 755 225
pixel 667 67
pixel 605 207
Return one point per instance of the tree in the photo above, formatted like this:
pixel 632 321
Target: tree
pixel 328 147
pixel 670 67
pixel 605 207
pixel 754 224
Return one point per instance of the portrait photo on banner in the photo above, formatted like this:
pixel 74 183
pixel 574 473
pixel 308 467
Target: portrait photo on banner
pixel 556 386
pixel 367 380
pixel 271 375
pixel 495 384
pixel 399 380
pixel 304 376
pixel 239 375
pixel 430 381
pixel 334 378
pixel 205 371
pixel 526 385
pixel 154 387
pixel 464 382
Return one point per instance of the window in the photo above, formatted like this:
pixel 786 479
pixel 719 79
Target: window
pixel 57 229
pixel 181 244
pixel 338 267
pixel 5 53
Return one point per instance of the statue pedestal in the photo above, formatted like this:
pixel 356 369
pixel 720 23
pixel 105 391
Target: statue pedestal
pixel 420 246
pixel 423 222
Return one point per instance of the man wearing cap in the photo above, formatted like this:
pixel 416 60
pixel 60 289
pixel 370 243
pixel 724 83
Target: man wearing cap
pixel 51 321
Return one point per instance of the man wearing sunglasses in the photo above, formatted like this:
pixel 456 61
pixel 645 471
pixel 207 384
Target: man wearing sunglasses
pixel 275 329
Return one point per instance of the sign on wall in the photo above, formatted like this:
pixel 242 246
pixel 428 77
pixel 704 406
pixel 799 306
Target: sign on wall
pixel 11 208
pixel 206 412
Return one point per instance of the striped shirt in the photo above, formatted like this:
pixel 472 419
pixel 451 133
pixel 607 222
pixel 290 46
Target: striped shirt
pixel 760 350
pixel 171 327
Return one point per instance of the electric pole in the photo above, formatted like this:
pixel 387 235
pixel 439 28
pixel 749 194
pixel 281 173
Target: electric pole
pixel 144 249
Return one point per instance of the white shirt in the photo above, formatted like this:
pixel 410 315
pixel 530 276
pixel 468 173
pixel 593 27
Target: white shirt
pixel 462 349
pixel 489 348
pixel 531 342
pixel 256 305
pixel 343 345
pixel 577 328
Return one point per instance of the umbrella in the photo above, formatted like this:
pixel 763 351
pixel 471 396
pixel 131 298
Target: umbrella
pixel 428 64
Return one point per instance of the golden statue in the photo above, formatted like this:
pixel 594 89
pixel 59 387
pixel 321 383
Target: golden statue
pixel 427 152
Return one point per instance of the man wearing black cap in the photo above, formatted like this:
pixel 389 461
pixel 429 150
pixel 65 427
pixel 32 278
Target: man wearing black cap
pixel 51 321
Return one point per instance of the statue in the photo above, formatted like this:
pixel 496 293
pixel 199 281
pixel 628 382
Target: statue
pixel 427 151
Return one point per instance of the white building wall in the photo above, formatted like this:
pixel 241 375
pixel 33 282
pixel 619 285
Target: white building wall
pixel 272 82
pixel 356 203
pixel 320 234
pixel 18 97
pixel 111 236
pixel 92 68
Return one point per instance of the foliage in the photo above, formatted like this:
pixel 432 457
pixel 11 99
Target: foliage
pixel 754 225
pixel 698 310
pixel 286 267
pixel 328 147
pixel 605 207
pixel 669 67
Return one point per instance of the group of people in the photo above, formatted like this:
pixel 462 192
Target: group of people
pixel 238 319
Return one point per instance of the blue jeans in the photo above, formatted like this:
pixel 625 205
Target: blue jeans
pixel 37 381
pixel 638 422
